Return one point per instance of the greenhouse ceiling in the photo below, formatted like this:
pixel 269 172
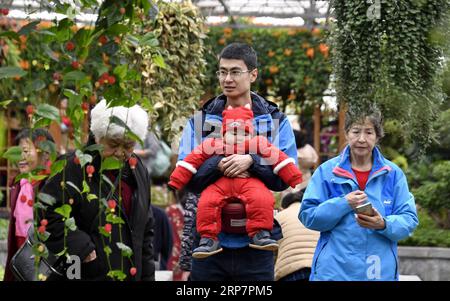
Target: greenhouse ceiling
pixel 258 12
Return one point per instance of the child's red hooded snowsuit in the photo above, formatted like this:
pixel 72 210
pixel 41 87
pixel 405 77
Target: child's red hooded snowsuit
pixel 256 197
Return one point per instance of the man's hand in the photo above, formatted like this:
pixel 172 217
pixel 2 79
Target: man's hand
pixel 235 165
pixel 356 198
pixel 375 222
pixel 92 256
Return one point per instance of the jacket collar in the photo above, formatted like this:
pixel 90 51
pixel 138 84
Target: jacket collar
pixel 344 167
pixel 260 105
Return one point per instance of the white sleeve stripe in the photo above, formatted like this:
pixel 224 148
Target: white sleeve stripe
pixel 282 164
pixel 188 166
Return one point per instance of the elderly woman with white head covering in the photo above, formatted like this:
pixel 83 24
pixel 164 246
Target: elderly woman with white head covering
pixel 121 215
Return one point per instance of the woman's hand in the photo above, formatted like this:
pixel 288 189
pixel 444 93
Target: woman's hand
pixel 235 165
pixel 375 222
pixel 356 198
pixel 92 256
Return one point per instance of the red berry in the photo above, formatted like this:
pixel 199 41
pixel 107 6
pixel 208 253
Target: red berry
pixel 108 228
pixel 90 170
pixel 133 271
pixel 57 76
pixel 132 161
pixel 70 46
pixel 75 65
pixel 41 229
pixel 30 110
pixel 30 203
pixel 112 204
pixel 111 80
pixel 103 40
pixel 44 222
pixel 76 160
pixel 23 198
pixel 5 11
pixel 85 107
pixel 122 10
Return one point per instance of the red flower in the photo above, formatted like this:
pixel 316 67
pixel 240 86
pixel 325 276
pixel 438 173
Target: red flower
pixel 75 65
pixel 57 76
pixel 90 170
pixel 5 11
pixel 41 229
pixel 132 161
pixel 122 10
pixel 76 160
pixel 44 222
pixel 85 107
pixel 23 198
pixel 133 271
pixel 112 204
pixel 111 80
pixel 108 228
pixel 70 46
pixel 103 40
pixel 30 110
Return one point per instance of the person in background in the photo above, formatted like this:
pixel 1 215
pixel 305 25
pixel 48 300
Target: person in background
pixel 23 193
pixel 163 240
pixel 354 244
pixel 307 158
pixel 298 244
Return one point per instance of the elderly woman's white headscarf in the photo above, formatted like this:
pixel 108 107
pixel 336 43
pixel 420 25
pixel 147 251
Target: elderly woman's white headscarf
pixel 135 118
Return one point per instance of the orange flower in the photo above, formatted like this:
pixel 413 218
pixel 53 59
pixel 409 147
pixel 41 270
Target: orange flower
pixel 117 39
pixel 269 82
pixel 307 80
pixel 105 58
pixel 288 52
pixel 221 41
pixel 227 31
pixel 305 45
pixel 23 38
pixel 271 53
pixel 44 24
pixel 291 96
pixel 323 48
pixel 74 28
pixel 291 32
pixel 316 31
pixel 274 69
pixel 310 53
pixel 24 64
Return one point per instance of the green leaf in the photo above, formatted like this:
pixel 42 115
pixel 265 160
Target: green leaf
pixel 64 211
pixel 91 197
pixel 57 167
pixel 159 61
pixel 84 158
pixel 37 85
pixel 94 147
pixel 114 219
pixel 48 111
pixel 121 71
pixel 44 236
pixel 8 72
pixel 107 180
pixel 10 34
pixel 107 250
pixel 46 198
pixel 111 163
pixel 126 251
pixel 42 123
pixel 62 252
pixel 70 223
pixel 47 146
pixel 149 39
pixel 117 274
pixel 75 76
pixel 5 103
pixel 118 29
pixel 86 188
pixel 73 186
pixel 119 122
pixel 13 154
pixel 26 29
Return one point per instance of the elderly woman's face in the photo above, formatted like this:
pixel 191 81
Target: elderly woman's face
pixel 362 138
pixel 118 148
pixel 30 157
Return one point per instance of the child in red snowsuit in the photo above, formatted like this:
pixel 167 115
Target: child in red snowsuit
pixel 237 138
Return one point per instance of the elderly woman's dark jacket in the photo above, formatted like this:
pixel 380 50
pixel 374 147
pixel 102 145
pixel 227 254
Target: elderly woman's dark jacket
pixel 136 232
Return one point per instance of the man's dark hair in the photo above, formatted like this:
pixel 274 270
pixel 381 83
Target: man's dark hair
pixel 34 134
pixel 240 51
pixel 300 139
pixel 291 198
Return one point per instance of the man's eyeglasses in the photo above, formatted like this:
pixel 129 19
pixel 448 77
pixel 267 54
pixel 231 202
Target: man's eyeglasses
pixel 234 74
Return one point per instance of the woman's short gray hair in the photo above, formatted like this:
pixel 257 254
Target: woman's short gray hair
pixel 134 117
pixel 357 117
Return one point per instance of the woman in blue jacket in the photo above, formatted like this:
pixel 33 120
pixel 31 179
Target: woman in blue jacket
pixel 358 246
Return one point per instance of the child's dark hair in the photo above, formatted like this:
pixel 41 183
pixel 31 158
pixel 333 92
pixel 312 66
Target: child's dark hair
pixel 34 134
pixel 291 198
pixel 240 51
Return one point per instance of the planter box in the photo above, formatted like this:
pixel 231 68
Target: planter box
pixel 429 263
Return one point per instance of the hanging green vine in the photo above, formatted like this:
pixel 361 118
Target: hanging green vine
pixel 386 53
